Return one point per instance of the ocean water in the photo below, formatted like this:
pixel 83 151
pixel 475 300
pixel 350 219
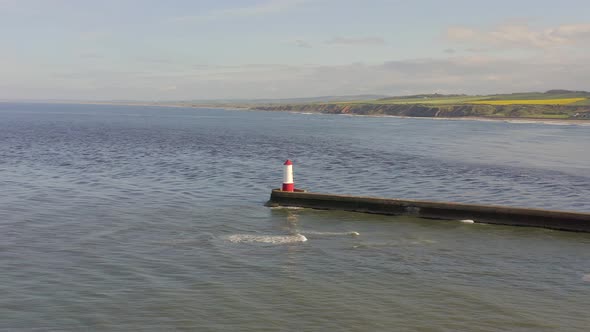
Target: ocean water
pixel 135 218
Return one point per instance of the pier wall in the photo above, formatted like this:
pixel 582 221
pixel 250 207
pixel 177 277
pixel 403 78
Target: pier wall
pixel 560 220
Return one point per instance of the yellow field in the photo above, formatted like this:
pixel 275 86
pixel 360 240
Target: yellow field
pixel 563 101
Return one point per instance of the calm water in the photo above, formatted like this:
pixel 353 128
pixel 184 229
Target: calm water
pixel 152 219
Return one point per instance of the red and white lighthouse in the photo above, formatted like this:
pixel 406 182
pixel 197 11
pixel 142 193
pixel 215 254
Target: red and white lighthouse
pixel 288 184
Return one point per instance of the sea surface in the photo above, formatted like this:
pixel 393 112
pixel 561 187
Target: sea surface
pixel 131 218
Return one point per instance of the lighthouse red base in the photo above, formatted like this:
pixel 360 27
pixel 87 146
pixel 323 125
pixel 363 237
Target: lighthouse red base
pixel 288 187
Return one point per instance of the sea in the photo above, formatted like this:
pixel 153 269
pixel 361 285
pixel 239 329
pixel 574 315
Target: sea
pixel 144 218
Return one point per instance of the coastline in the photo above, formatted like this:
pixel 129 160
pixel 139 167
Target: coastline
pixel 524 112
pixel 522 120
pixel 145 104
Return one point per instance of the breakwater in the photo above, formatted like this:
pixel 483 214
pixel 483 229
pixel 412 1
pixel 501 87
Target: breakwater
pixel 490 214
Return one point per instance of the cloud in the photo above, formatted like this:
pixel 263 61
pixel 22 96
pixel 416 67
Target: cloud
pixel 465 74
pixel 450 51
pixel 522 36
pixel 461 33
pixel 302 43
pixel 476 73
pixel 572 32
pixel 477 50
pixel 355 41
pixel 260 9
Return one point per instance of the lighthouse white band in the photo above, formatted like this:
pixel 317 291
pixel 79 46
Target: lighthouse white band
pixel 288 174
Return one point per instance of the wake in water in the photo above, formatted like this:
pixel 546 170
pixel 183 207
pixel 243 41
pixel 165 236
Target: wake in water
pixel 283 239
pixel 321 234
pixel 269 239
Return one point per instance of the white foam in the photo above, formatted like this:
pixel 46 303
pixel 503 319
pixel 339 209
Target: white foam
pixel 333 233
pixel 271 239
pixel 549 122
pixel 419 241
pixel 286 208
pixel 467 221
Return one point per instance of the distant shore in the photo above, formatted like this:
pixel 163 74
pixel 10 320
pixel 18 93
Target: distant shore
pixel 526 112
pixel 465 118
pixel 124 103
pixel 304 109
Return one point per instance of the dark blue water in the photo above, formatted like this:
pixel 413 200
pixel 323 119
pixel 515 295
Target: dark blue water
pixel 147 218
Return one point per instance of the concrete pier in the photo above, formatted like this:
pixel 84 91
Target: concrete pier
pixel 490 214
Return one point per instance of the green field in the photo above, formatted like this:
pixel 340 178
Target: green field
pixel 560 101
pixel 585 102
pixel 555 94
pixel 424 101
pixel 555 97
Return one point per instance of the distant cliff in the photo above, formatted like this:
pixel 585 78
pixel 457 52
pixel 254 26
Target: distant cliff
pixel 441 111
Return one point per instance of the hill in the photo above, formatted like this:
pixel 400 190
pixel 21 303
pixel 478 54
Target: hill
pixel 552 104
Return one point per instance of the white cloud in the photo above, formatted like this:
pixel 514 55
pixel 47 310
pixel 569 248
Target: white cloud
pixel 572 31
pixel 302 43
pixel 461 33
pixel 478 49
pixel 522 36
pixel 465 74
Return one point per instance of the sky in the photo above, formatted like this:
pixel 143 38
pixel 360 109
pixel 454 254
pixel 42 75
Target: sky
pixel 228 49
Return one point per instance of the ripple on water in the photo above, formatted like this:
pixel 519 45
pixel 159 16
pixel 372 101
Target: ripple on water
pixel 113 221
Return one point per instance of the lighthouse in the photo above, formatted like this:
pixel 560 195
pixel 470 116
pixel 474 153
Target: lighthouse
pixel 288 184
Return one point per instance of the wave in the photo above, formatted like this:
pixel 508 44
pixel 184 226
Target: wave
pixel 311 233
pixel 269 239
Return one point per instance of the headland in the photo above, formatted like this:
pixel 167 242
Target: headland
pixel 550 105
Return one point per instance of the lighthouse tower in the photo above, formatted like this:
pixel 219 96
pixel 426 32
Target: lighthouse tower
pixel 288 184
